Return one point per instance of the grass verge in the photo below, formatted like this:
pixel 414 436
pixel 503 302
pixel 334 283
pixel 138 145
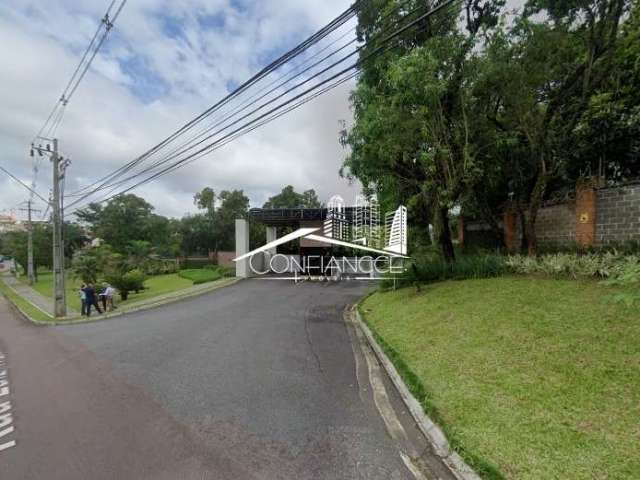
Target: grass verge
pixel 201 275
pixel 24 305
pixel 529 378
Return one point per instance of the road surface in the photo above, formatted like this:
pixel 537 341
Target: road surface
pixel 259 380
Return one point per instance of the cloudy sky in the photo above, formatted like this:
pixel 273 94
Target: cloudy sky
pixel 165 62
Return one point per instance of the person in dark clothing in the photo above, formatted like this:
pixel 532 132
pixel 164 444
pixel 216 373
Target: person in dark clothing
pixel 91 299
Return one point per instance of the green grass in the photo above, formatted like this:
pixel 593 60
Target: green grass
pixel 25 306
pixel 155 286
pixel 530 378
pixel 201 275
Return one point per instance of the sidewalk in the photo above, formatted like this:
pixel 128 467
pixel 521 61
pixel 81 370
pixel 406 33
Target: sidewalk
pixel 36 298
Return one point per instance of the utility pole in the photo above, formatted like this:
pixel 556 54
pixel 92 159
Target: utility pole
pixel 30 269
pixel 60 306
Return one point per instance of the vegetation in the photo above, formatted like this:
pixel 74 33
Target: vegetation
pixel 530 377
pixel 498 111
pixel 24 305
pixel 204 275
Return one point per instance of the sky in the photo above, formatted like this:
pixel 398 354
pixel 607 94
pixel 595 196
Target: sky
pixel 165 62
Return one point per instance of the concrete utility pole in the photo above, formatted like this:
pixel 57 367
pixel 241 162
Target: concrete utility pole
pixel 30 269
pixel 60 306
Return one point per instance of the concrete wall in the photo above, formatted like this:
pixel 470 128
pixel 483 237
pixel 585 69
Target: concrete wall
pixel 618 215
pixel 225 259
pixel 556 224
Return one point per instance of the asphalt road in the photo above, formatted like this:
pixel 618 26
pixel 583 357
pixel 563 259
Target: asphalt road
pixel 259 380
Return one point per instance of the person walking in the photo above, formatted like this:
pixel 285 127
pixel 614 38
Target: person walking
pixel 83 299
pixel 91 299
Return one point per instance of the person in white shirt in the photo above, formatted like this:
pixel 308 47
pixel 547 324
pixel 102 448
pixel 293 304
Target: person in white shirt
pixel 109 293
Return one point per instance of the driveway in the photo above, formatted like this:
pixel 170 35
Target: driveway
pixel 261 379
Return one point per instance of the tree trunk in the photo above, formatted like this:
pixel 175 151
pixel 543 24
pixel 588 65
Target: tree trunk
pixel 444 235
pixel 535 202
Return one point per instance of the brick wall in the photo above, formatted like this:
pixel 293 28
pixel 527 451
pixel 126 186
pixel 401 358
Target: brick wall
pixel 618 215
pixel 606 216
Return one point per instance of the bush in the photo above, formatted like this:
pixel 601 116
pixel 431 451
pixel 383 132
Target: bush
pixel 201 275
pixel 626 275
pixel 432 268
pixel 571 265
pixel 132 281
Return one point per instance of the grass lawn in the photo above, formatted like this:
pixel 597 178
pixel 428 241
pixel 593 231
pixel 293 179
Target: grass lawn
pixel 201 275
pixel 530 378
pixel 156 285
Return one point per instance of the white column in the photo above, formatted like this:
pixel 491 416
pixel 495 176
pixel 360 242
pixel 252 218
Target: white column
pixel 242 247
pixel 272 234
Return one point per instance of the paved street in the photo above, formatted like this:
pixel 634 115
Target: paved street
pixel 255 380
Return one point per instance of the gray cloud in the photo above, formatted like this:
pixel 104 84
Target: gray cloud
pixel 106 124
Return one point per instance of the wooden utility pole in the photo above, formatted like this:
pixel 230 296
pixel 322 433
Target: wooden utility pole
pixel 30 269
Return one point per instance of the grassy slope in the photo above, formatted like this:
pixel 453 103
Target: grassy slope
pixel 25 306
pixel 537 378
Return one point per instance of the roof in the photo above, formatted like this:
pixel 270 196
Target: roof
pixel 284 217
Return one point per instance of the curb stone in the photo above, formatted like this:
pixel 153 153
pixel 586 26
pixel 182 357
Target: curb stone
pixel 97 318
pixel 430 430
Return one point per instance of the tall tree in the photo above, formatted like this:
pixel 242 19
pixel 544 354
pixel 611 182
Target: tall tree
pixel 289 198
pixel 413 139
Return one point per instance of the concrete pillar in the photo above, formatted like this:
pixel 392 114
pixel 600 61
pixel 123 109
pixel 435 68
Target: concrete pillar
pixel 586 197
pixel 272 234
pixel 242 247
pixel 511 231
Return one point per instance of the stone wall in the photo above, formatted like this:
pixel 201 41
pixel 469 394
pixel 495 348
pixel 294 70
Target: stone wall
pixel 618 215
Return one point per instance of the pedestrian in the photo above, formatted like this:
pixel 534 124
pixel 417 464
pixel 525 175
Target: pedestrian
pixel 91 299
pixel 109 293
pixel 83 299
pixel 103 297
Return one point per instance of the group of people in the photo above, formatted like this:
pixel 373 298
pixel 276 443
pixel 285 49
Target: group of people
pixel 89 297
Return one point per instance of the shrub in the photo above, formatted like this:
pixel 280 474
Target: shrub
pixel 432 268
pixel 571 265
pixel 626 275
pixel 132 281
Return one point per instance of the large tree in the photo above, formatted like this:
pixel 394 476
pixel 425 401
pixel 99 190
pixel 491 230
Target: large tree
pixel 124 219
pixel 414 140
pixel 289 198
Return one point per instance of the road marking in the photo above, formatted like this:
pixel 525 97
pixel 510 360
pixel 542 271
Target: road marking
pixel 6 418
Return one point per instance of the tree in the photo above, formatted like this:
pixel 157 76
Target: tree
pixel 289 198
pixel 537 86
pixel 206 200
pixel 124 218
pixel 413 140
pixel 233 205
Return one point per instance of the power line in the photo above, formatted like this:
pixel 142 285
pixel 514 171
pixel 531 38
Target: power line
pixel 337 22
pixel 109 181
pixel 249 126
pixel 54 119
pixel 23 184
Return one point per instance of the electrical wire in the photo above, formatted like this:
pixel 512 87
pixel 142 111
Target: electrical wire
pixel 237 131
pixel 108 182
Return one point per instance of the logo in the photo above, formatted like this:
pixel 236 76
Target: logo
pixel 349 243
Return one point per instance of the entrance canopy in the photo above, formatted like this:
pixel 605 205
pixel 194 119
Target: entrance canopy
pixel 293 217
